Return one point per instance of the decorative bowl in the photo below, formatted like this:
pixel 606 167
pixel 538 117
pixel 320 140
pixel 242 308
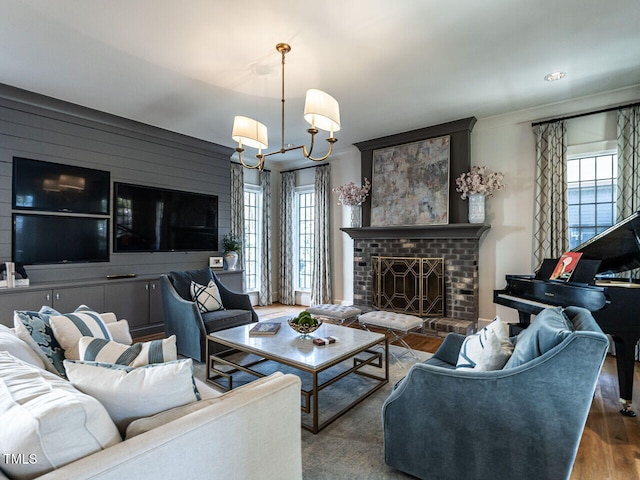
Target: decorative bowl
pixel 304 329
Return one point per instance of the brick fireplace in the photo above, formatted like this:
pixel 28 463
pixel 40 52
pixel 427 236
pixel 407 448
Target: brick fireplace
pixel 457 244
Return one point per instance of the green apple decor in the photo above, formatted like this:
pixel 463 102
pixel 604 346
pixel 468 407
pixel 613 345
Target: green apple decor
pixel 304 323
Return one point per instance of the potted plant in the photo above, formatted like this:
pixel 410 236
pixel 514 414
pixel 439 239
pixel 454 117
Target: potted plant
pixel 231 246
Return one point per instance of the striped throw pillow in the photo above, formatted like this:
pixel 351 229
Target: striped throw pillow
pixel 207 298
pixel 137 355
pixel 71 327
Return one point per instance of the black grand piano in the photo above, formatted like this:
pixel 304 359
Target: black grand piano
pixel 614 302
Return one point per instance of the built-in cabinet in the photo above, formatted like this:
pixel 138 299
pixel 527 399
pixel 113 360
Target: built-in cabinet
pixel 63 299
pixel 139 302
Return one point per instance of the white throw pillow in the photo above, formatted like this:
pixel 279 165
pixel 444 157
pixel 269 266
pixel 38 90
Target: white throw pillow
pixel 129 393
pixel 101 350
pixel 207 298
pixel 9 342
pixel 119 331
pixel 46 419
pixel 489 349
pixel 71 327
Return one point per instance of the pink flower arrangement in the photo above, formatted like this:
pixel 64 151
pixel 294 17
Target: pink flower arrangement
pixel 479 180
pixel 351 194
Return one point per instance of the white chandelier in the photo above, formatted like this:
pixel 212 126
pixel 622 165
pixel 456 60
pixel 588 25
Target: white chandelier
pixel 321 111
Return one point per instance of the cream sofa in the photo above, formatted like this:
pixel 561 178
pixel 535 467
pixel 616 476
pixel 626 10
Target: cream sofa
pixel 252 432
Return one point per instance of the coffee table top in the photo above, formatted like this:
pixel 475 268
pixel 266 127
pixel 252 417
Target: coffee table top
pixel 287 346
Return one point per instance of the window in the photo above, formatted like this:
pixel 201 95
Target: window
pixel 592 190
pixel 251 243
pixel 305 203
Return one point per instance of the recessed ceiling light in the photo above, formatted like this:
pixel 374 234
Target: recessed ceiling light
pixel 552 77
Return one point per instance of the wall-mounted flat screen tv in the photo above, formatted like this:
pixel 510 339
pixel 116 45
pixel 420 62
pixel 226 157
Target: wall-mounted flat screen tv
pixel 49 239
pixel 55 187
pixel 148 219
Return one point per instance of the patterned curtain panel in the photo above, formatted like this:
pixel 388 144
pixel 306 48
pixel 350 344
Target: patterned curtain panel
pixel 286 293
pixel 237 206
pixel 265 294
pixel 551 225
pixel 628 200
pixel 321 276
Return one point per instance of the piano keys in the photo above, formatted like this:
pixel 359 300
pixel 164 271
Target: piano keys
pixel 614 303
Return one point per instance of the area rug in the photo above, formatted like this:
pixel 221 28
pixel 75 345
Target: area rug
pixel 350 447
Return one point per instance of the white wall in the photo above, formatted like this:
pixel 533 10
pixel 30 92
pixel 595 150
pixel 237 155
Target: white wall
pixel 506 143
pixel 503 143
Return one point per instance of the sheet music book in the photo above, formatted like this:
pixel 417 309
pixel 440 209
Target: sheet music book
pixel 566 266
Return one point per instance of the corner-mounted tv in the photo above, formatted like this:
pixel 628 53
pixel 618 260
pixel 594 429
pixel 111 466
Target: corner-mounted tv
pixel 55 187
pixel 49 239
pixel 148 219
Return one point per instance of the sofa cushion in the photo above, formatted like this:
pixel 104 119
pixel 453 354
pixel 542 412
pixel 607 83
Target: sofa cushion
pixel 45 418
pixel 181 281
pixel 143 353
pixel 35 330
pixel 71 327
pixel 222 319
pixel 9 342
pixel 206 297
pixel 489 349
pixel 129 393
pixel 119 331
pixel 547 330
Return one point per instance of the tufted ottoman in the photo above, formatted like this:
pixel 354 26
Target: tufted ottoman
pixel 397 324
pixel 346 315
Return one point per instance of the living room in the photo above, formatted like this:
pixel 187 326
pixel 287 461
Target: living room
pixel 101 87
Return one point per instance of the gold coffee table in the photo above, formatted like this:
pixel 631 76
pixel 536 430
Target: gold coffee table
pixel 286 347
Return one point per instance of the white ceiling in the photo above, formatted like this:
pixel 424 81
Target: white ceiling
pixel 190 65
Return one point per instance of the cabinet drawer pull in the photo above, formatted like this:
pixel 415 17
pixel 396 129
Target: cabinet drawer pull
pixel 146 286
pixel 57 296
pixel 48 297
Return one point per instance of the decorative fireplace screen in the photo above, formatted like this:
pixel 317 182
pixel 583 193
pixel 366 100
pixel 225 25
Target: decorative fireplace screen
pixel 409 285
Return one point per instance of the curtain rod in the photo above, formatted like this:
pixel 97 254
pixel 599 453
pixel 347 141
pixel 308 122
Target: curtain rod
pixel 578 115
pixel 238 163
pixel 304 168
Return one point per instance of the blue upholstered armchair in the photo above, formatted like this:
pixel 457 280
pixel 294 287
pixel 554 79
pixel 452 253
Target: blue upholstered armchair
pixel 524 421
pixel 183 319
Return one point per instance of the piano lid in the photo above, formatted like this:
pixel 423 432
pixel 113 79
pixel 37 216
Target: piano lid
pixel 618 247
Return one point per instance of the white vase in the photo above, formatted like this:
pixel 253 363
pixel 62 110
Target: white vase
pixel 356 216
pixel 476 208
pixel 232 259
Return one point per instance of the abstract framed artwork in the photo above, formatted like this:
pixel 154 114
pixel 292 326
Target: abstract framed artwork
pixel 411 184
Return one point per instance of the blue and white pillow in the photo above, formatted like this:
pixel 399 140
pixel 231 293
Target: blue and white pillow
pixel 489 349
pixel 140 354
pixel 207 298
pixel 35 330
pixel 71 327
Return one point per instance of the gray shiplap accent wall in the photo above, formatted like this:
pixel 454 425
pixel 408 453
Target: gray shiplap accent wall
pixel 42 128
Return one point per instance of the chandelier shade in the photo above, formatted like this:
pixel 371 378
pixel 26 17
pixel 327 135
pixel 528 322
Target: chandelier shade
pixel 322 111
pixel 249 132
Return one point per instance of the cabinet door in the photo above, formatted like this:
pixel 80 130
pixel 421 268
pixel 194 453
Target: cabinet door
pixel 130 301
pixel 25 300
pixel 67 299
pixel 156 310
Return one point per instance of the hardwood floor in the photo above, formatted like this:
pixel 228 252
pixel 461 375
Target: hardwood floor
pixel 610 445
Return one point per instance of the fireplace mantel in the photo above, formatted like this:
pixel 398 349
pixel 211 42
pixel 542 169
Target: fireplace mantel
pixel 449 231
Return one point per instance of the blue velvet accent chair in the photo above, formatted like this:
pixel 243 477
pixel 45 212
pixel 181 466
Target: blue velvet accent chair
pixel 524 421
pixel 183 319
